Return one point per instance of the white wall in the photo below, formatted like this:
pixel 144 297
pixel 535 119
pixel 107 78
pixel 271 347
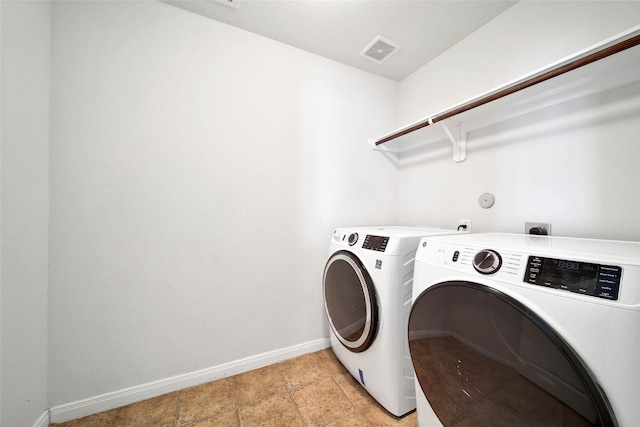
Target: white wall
pixel 24 199
pixel 188 159
pixel 574 165
pixel 197 173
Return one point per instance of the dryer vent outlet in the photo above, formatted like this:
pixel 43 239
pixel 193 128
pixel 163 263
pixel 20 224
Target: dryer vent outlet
pixel 538 228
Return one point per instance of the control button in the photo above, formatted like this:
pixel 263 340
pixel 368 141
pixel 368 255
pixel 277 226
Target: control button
pixel 353 239
pixel 487 261
pixel 456 254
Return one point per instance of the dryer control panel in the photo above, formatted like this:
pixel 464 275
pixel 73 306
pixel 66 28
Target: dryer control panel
pixel 375 243
pixel 584 278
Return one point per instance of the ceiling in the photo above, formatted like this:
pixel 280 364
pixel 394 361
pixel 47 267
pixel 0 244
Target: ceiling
pixel 341 29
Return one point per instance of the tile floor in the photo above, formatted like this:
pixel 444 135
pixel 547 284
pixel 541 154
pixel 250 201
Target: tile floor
pixel 310 390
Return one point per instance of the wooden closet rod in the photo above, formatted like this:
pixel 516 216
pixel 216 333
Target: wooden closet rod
pixel 561 69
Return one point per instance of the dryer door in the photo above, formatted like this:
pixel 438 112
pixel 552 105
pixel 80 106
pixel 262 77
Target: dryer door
pixel 350 301
pixel 483 358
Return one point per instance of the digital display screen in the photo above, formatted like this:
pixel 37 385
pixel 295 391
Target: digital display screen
pixel 584 278
pixel 376 243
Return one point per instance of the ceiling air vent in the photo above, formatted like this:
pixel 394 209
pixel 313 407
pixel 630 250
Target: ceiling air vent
pixel 379 50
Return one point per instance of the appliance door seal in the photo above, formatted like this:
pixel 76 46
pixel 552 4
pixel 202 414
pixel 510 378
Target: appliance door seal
pixel 350 301
pixel 482 357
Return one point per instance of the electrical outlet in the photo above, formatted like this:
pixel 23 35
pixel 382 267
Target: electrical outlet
pixel 464 225
pixel 539 228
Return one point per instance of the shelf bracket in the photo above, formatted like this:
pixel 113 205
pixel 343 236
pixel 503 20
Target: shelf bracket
pixel 389 154
pixel 459 142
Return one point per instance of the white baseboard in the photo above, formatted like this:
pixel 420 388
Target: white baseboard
pixel 93 405
pixel 43 421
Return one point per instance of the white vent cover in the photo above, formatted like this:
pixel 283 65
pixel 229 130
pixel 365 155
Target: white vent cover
pixel 379 50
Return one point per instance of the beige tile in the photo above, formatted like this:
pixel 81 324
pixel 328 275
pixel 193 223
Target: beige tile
pixel 330 363
pixel 358 396
pixel 353 420
pixel 409 420
pixel 377 416
pixel 228 419
pixel 205 401
pixel 321 402
pixel 321 392
pixel 302 370
pixel 258 384
pixel 159 411
pixel 275 411
pixel 310 367
pixel 101 419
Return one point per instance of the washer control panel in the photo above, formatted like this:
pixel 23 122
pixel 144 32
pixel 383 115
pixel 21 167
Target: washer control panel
pixel 487 261
pixel 602 281
pixel 375 243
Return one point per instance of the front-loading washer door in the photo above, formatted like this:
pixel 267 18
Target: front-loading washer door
pixel 482 358
pixel 350 301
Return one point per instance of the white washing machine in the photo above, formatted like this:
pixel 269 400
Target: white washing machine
pixel 510 330
pixel 367 287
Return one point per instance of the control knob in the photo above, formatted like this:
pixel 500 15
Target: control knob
pixel 353 239
pixel 487 261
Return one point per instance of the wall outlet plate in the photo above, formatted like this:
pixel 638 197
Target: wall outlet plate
pixel 464 222
pixel 537 225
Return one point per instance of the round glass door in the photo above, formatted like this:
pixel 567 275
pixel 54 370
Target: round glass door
pixel 482 358
pixel 350 302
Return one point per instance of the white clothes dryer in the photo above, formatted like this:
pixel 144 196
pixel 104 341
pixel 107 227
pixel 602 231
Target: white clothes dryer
pixel 513 330
pixel 367 287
